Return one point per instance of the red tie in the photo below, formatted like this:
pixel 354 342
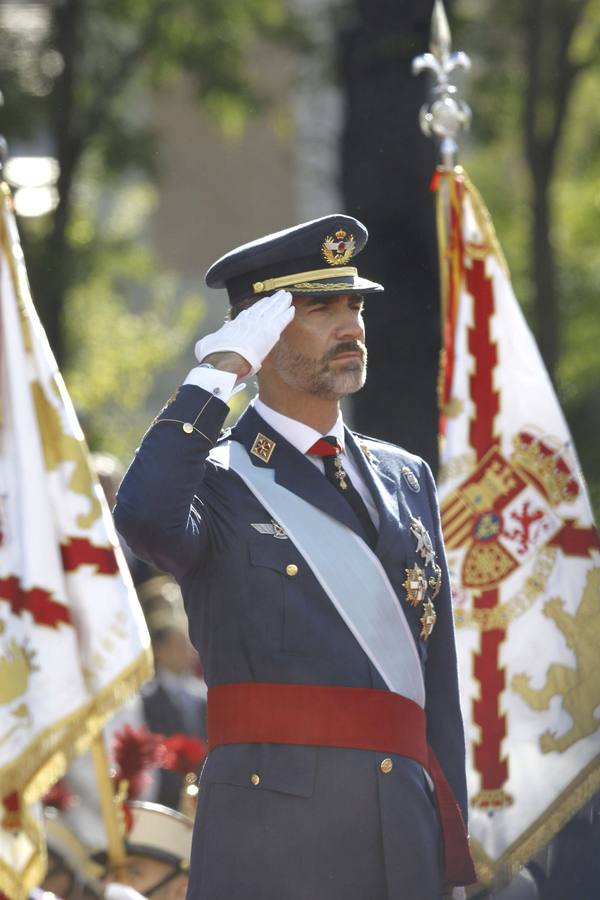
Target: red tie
pixel 329 446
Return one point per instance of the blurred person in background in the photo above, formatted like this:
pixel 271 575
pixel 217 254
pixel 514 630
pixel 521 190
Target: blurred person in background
pixel 174 700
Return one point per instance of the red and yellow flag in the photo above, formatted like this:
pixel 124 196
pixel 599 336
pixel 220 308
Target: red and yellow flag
pixel 523 551
pixel 73 642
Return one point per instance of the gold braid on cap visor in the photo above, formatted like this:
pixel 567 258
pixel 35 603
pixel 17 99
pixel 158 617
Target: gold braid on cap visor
pixel 307 283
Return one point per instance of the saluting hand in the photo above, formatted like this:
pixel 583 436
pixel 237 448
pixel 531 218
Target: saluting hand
pixel 242 344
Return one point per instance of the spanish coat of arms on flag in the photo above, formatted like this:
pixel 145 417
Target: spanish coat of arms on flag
pixel 73 642
pixel 523 552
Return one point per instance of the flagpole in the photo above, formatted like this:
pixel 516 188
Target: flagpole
pixel 109 806
pixel 442 118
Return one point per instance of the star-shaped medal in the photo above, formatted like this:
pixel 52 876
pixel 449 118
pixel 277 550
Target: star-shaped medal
pixel 435 582
pixel 428 619
pixel 424 545
pixel 415 585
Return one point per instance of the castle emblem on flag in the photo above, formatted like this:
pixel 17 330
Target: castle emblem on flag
pixel 504 513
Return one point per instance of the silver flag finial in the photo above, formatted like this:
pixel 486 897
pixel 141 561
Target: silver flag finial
pixel 440 42
pixel 445 114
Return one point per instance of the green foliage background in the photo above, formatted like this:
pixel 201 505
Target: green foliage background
pixel 119 321
pixel 77 79
pixel 493 154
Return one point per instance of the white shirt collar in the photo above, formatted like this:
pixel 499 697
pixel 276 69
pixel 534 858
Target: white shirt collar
pixel 299 435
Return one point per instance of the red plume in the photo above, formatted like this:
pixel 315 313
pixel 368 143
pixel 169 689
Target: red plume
pixel 60 796
pixel 135 751
pixel 184 753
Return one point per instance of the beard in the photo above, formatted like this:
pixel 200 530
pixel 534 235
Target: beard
pixel 323 377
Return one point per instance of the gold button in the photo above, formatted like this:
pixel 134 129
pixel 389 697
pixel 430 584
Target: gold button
pixel 291 570
pixel 255 779
pixel 386 765
pixel 188 427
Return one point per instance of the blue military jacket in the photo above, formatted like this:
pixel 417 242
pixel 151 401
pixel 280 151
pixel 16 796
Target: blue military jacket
pixel 284 822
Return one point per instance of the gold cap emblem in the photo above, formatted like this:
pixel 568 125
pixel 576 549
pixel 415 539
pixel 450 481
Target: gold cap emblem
pixel 338 248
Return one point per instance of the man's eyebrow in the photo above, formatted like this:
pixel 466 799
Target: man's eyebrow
pixel 313 301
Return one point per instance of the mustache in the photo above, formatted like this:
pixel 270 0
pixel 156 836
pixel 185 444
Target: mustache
pixel 346 347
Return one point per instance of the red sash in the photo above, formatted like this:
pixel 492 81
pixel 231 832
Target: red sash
pixel 358 718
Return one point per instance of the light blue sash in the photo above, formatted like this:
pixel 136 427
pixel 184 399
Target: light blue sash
pixel 348 571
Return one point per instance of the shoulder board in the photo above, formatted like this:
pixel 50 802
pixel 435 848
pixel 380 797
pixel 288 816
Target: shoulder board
pixel 380 442
pixel 374 440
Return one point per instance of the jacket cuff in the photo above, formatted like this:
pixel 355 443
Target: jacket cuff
pixel 195 411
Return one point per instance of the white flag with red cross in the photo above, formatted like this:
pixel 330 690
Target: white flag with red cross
pixel 523 552
pixel 73 642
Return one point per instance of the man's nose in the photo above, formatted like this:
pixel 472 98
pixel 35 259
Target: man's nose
pixel 350 326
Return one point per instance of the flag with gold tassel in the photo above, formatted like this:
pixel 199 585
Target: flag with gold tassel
pixel 73 641
pixel 523 552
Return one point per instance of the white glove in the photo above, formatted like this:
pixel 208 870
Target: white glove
pixel 121 892
pixel 253 333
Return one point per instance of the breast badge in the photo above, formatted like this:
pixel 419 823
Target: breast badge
pixel 428 619
pixel 424 545
pixel 418 581
pixel 271 528
pixel 415 585
pixel 411 479
pixel 435 582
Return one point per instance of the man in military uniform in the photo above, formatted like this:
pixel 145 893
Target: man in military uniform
pixel 175 699
pixel 313 573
